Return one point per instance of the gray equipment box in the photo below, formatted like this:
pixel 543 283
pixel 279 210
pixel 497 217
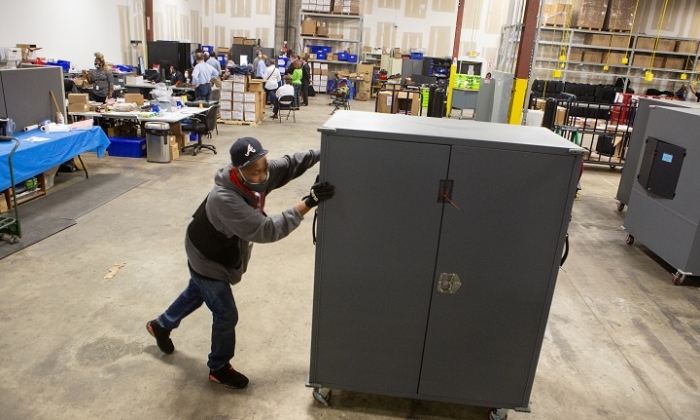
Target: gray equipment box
pixel 493 102
pixel 437 258
pixel 636 145
pixel 664 207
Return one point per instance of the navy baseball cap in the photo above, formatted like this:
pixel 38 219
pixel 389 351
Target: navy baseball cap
pixel 245 151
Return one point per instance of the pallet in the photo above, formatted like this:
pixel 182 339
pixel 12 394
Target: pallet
pixel 619 31
pixel 236 122
pixel 585 28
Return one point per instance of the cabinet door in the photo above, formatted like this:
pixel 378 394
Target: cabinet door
pixel 503 242
pixel 375 259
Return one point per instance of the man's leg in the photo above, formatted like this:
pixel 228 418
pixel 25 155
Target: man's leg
pixel 305 93
pixel 206 92
pixel 275 106
pixel 188 301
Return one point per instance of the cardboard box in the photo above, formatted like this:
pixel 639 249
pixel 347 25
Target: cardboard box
pixel 78 107
pixel 324 72
pixel 239 87
pixel 362 96
pixel 225 115
pixel 385 101
pixel 240 78
pixel 249 106
pixel 225 106
pixel 335 36
pixel 576 55
pixel 406 103
pixel 620 41
pixel 226 95
pixel 226 85
pixel 675 63
pixel 560 117
pixel 589 14
pixel 324 66
pixel 556 14
pixel 322 29
pixel 255 85
pixel 614 58
pixel 308 27
pixel 249 116
pixel 600 40
pixel 316 71
pixel 690 47
pixel 592 56
pixel 238 40
pixel 136 98
pixel 238 106
pixel 643 60
pixel 620 16
pixel 250 42
pixel 134 80
pixel 238 97
pixel 222 50
pixel 174 152
pixel 249 97
pixel 78 98
pixel 237 115
pixel 668 45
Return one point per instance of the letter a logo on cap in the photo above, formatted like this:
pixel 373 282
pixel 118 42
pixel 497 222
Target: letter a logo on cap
pixel 250 149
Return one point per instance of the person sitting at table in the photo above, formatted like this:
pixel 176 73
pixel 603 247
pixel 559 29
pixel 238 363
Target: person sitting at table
pixel 176 76
pixel 202 75
pixel 153 76
pixel 102 79
pixel 287 89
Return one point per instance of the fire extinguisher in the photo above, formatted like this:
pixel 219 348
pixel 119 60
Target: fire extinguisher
pixel 284 48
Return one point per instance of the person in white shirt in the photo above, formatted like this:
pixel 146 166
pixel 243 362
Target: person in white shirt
pixel 272 80
pixel 285 90
pixel 201 78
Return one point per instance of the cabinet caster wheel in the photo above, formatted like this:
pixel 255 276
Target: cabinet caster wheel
pixel 629 240
pixel 678 279
pixel 322 398
pixel 498 414
pixel 613 166
pixel 620 206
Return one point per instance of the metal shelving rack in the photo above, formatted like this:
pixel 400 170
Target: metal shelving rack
pixel 634 75
pixel 336 41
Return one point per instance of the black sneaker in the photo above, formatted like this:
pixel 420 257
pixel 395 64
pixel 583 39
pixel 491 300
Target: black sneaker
pixel 229 377
pixel 162 335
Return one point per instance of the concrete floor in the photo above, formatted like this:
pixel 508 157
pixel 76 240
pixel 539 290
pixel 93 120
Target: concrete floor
pixel 622 341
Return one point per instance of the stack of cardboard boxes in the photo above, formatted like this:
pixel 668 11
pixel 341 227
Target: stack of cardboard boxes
pixel 316 5
pixel 366 72
pixel 242 99
pixel 346 7
pixel 240 40
pixel 398 102
pixel 78 102
pixel 315 28
pixel 319 77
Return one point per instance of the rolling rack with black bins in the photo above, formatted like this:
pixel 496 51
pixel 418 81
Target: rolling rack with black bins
pixel 438 68
pixel 9 226
pixel 602 129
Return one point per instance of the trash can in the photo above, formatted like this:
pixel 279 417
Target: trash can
pixel 157 147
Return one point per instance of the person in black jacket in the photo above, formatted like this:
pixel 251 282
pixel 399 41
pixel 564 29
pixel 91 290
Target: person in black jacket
pixel 305 82
pixel 176 76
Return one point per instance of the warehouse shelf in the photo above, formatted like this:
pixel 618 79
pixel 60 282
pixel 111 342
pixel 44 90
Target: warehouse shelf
pixel 332 62
pixel 330 15
pixel 327 39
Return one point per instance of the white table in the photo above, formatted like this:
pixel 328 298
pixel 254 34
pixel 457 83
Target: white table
pixel 169 117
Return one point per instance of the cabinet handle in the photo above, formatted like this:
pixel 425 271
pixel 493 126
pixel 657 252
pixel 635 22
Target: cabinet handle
pixel 448 283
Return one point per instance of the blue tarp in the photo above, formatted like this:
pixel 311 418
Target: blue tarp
pixel 33 158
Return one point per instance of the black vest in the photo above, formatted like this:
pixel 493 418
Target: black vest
pixel 211 242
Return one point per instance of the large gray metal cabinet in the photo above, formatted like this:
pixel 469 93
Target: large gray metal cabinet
pixel 636 145
pixel 667 220
pixel 493 102
pixel 420 203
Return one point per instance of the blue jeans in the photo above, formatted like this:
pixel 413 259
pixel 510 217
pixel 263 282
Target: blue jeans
pixel 219 299
pixel 202 92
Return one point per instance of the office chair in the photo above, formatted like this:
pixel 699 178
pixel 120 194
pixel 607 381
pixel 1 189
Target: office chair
pixel 287 104
pixel 203 127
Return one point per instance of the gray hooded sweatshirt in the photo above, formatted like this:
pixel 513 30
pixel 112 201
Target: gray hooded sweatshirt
pixel 232 211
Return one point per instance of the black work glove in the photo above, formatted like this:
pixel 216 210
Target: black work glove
pixel 320 191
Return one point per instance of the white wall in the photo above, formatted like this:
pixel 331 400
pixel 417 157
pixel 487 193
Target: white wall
pixel 71 31
pixel 430 25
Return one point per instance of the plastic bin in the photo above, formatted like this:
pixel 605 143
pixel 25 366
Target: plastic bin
pixel 321 56
pixel 208 48
pixel 65 65
pixel 127 147
pixel 342 56
pixel 315 49
pixel 352 58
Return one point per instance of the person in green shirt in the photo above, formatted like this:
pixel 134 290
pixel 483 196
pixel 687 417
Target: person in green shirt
pixel 297 75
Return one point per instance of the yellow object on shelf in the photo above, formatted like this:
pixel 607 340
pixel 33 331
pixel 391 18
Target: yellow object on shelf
pixel 625 60
pixel 556 74
pixel 606 67
pixel 648 76
pixel 684 76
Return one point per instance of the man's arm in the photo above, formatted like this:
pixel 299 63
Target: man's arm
pixel 289 167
